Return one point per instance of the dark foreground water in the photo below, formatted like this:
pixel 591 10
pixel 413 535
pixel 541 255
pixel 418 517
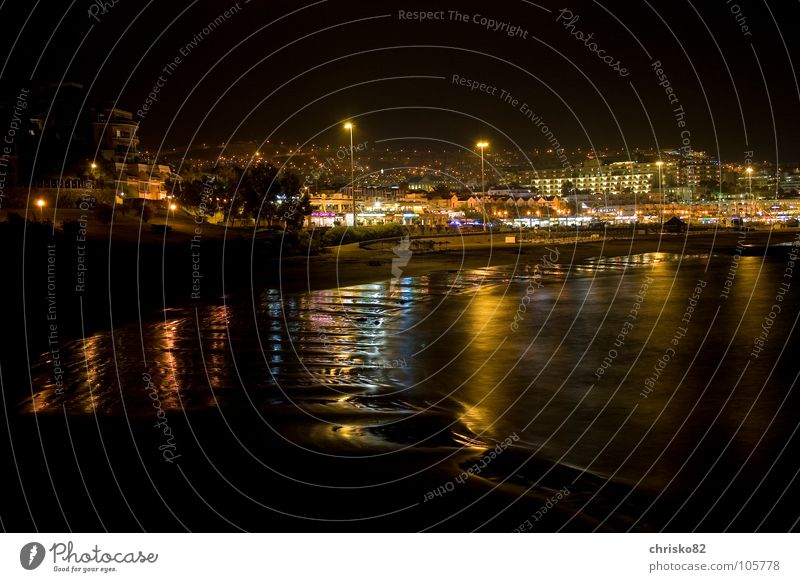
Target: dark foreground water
pixel 626 395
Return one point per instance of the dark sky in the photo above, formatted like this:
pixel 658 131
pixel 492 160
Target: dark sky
pixel 294 71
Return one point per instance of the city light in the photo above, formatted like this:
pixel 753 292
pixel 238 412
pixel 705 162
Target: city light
pixel 659 163
pixel 527 339
pixel 483 145
pixel 349 126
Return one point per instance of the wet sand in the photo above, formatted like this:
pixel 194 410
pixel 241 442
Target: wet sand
pixel 93 471
pixel 350 265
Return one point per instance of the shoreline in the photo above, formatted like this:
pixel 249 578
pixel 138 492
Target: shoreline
pixel 346 435
pixel 152 273
pixel 349 265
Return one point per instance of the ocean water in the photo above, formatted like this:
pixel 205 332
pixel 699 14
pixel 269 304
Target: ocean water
pixel 630 381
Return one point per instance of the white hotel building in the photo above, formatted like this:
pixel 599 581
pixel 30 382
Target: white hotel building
pixel 615 178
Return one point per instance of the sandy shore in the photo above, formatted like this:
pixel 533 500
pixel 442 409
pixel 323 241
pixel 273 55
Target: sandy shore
pixel 351 265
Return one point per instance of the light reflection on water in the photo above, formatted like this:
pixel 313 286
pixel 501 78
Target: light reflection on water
pixel 440 348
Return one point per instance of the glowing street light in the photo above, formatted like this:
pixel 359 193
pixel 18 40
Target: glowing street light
pixel 94 166
pixel 749 171
pixel 349 126
pixel 483 145
pixel 173 207
pixel 40 204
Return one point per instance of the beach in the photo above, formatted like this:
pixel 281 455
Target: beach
pixel 292 396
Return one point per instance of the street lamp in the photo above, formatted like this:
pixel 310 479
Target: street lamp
pixel 483 145
pixel 173 207
pixel 349 126
pixel 749 171
pixel 659 163
pixel 40 204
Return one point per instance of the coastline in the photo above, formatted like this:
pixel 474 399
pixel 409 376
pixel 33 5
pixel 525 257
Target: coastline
pixel 349 265
pixel 154 272
pixel 355 455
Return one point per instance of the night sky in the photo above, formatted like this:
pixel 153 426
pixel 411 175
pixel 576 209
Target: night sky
pixel 294 71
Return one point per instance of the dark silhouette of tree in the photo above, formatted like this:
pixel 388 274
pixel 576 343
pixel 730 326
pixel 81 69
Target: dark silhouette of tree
pixel 294 207
pixel 259 193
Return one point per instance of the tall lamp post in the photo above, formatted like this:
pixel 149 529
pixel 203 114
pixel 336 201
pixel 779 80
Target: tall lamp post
pixel 659 163
pixel 482 145
pixel 349 126
pixel 40 204
pixel 749 171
